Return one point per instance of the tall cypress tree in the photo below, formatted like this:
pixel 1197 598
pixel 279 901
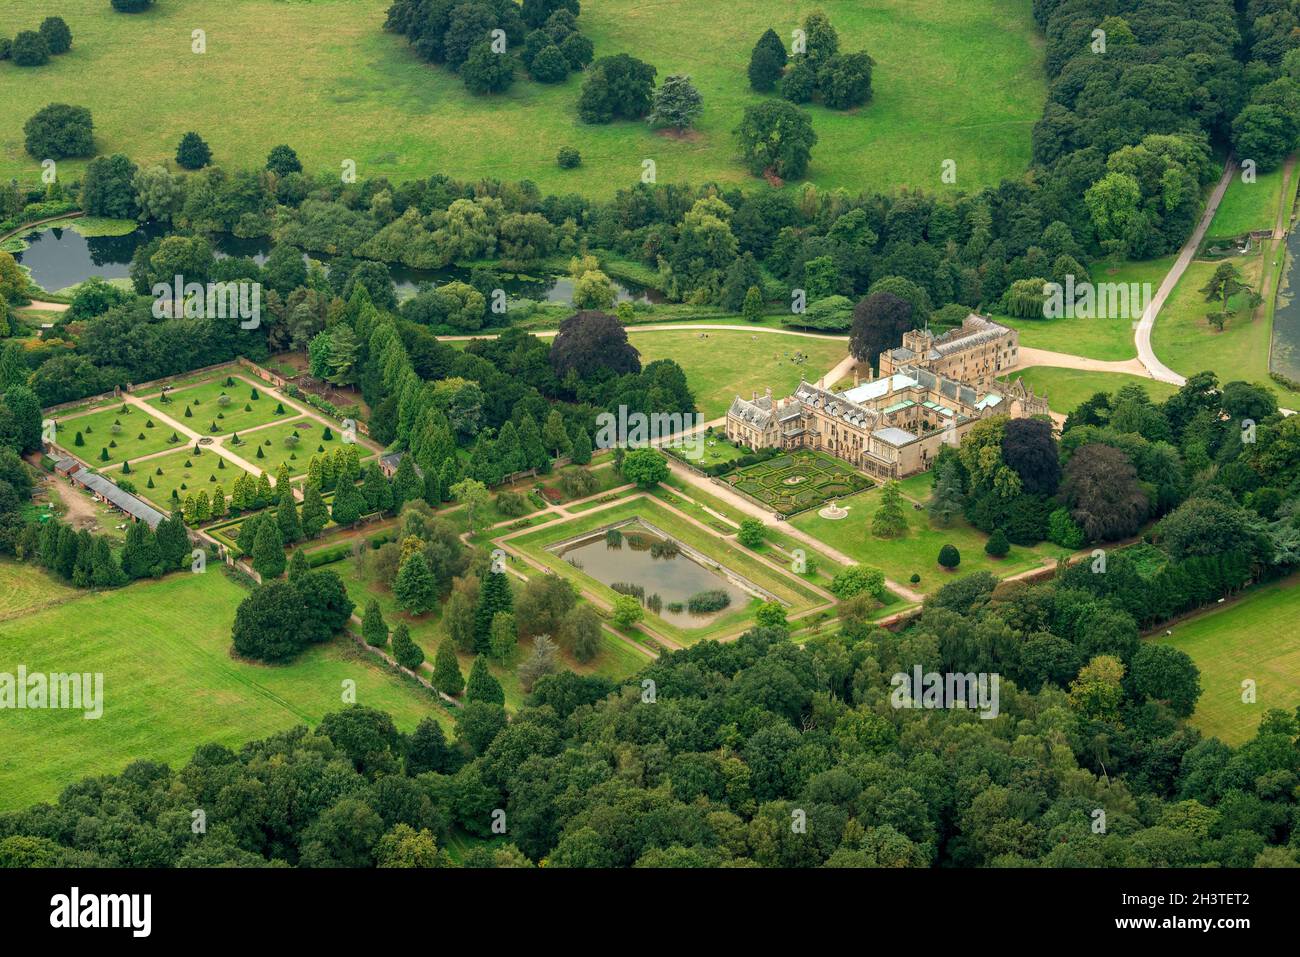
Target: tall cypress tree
pixel 268 550
pixel 373 628
pixel 530 442
pixel 493 596
pixel 446 670
pixel 105 572
pixel 407 652
pixel 315 516
pixel 581 447
pixel 286 516
pixel 140 554
pixel 407 486
pixel 481 686
pixel 298 564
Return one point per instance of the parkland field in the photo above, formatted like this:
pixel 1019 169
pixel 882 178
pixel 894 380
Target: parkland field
pixel 1242 642
pixel 721 363
pixel 951 82
pixel 170 683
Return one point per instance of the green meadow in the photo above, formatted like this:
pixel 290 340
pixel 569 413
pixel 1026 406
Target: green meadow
pixel 1110 338
pixel 721 364
pixel 1253 639
pixel 952 82
pixel 170 683
pixel 1066 388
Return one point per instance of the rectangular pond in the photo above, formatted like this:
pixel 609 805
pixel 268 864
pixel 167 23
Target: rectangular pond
pixel 634 557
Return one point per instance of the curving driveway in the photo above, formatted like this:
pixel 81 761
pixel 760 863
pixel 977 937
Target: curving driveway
pixel 1146 355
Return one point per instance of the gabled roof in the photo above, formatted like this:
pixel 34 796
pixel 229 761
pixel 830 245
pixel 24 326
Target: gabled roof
pixel 756 414
pixel 116 496
pixel 391 460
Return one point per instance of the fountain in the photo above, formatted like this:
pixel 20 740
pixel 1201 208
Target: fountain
pixel 833 511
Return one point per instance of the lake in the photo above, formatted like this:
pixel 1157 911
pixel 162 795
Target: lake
pixel 1285 356
pixel 635 560
pixel 59 258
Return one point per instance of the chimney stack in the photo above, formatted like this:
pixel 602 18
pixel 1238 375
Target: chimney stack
pixel 857 377
pixel 769 393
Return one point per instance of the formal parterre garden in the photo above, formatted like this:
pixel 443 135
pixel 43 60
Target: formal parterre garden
pixel 166 480
pixel 116 434
pixel 229 403
pixel 291 443
pixel 138 442
pixel 798 481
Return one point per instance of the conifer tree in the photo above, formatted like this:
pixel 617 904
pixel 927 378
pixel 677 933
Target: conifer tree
pixel 581 447
pixel 446 670
pixel 555 436
pixel 140 554
pixel 298 564
pixel 286 516
pixel 504 635
pixel 268 550
pixel 494 596
pixel 889 520
pixel 314 514
pixel 407 486
pixel 481 686
pixel 530 441
pixel 407 652
pixel 415 588
pixel 373 628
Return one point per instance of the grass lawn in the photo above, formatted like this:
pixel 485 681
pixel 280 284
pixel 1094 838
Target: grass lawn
pixel 1066 388
pixel 730 363
pixel 275 443
pixel 535 545
pixel 198 476
pixel 241 413
pixel 918 550
pixel 1110 339
pixel 24 588
pixel 1247 206
pixel 1186 342
pixel 716 451
pixel 358 93
pixel 170 684
pixel 97 431
pixel 1254 637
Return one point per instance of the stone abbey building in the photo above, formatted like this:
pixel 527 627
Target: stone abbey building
pixel 930 392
